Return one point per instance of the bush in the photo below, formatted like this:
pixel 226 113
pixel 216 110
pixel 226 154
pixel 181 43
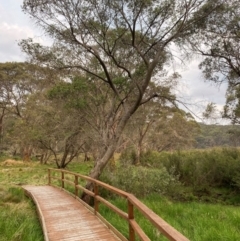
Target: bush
pixel 128 156
pixel 139 180
pixel 215 167
pixel 182 175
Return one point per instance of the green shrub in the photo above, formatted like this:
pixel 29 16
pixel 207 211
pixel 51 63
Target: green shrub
pixel 128 156
pixel 200 170
pixel 215 167
pixel 151 159
pixel 140 180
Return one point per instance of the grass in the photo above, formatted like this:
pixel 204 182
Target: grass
pixel 199 221
pixel 17 213
pixel 196 220
pixel 19 222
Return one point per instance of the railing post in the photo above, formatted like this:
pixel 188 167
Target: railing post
pixel 96 202
pixel 131 216
pixel 49 177
pixel 76 183
pixel 62 179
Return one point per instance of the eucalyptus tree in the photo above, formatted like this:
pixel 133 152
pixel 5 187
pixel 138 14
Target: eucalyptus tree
pixel 219 44
pixel 53 129
pixel 17 82
pixel 167 128
pixel 87 104
pixel 142 126
pixel 176 131
pixel 124 44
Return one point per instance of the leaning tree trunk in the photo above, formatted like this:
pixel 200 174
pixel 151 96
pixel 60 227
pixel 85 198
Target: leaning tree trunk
pixel 99 167
pixel 108 154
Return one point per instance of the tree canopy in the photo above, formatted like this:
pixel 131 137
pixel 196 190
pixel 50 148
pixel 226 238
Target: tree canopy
pixel 123 49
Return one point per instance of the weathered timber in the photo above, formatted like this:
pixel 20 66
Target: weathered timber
pixel 64 218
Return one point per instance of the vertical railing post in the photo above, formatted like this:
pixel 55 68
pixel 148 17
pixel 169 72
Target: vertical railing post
pixel 76 183
pixel 131 216
pixel 96 202
pixel 62 179
pixel 49 176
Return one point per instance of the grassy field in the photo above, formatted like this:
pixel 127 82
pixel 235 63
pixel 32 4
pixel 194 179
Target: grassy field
pixel 198 221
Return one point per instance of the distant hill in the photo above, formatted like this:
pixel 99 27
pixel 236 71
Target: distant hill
pixel 218 135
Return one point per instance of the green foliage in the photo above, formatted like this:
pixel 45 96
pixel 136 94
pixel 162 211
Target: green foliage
pixel 219 44
pixel 73 93
pixel 13 195
pixel 209 175
pixel 128 156
pixel 203 170
pixel 3 157
pixel 192 219
pixel 209 111
pixel 232 107
pixel 20 223
pixel 151 158
pixel 218 135
pixel 141 181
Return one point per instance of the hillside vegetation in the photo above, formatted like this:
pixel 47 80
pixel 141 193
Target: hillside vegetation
pixel 218 136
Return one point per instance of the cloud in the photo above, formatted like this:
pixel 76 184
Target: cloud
pixel 196 92
pixel 14 26
pixel 9 37
pixel 198 87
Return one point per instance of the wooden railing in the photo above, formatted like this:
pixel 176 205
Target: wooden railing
pixel 132 202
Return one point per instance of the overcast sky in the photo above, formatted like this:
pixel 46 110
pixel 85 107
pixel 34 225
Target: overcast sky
pixel 15 25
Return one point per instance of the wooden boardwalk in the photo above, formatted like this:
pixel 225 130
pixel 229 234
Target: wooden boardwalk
pixel 64 218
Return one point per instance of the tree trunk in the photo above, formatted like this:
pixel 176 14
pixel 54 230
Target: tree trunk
pixel 108 154
pixel 142 134
pixel 98 168
pixel 1 124
pixel 27 151
pixel 139 153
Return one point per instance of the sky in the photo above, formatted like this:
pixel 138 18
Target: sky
pixel 15 25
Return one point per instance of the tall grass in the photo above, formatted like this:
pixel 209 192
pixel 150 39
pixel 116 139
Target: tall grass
pixel 19 222
pixel 197 221
pixel 18 218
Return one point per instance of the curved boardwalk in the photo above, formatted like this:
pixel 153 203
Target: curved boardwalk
pixel 64 218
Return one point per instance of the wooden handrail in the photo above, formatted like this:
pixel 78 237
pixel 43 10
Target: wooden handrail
pixel 133 203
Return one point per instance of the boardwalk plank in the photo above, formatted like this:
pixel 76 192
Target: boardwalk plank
pixel 64 218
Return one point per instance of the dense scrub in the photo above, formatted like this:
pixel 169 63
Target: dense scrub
pixel 140 180
pixel 211 175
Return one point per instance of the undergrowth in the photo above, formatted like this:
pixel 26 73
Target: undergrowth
pixel 205 175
